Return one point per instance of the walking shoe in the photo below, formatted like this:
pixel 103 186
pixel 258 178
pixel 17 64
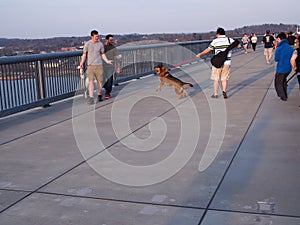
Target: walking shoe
pixel 283 99
pixel 100 98
pixel 224 94
pixel 90 101
pixel 107 95
pixel 214 96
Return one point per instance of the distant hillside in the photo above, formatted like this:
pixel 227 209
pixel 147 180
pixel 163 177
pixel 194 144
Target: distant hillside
pixel 32 46
pixel 261 29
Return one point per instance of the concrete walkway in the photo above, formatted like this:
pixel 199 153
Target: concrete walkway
pixel 146 158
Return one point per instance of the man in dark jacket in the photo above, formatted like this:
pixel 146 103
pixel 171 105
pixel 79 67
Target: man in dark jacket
pixel 283 56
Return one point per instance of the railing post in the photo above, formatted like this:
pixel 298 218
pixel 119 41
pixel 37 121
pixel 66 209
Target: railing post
pixel 40 80
pixel 135 62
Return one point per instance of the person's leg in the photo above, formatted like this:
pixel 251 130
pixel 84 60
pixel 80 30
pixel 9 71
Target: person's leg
pixel 279 86
pixel 266 53
pixel 245 48
pixel 224 85
pixel 99 88
pixel 90 74
pixel 224 79
pixel 215 76
pixel 270 54
pixel 284 84
pixel 216 87
pixel 108 85
pixel 99 77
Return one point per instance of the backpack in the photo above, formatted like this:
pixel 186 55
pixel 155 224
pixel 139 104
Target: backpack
pixel 219 59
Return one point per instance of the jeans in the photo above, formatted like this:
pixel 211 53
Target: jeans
pixel 108 72
pixel 108 85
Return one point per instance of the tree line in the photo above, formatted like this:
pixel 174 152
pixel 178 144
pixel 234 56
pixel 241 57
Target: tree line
pixel 9 47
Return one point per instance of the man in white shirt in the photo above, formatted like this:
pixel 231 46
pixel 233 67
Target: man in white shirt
pixel 220 74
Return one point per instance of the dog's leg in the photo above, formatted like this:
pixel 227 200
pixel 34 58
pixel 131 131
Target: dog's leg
pixel 180 91
pixel 160 86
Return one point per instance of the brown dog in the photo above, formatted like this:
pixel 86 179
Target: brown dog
pixel 168 80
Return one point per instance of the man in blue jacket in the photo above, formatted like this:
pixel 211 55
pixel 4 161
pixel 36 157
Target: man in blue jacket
pixel 283 55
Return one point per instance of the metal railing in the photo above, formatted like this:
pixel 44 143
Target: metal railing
pixel 29 81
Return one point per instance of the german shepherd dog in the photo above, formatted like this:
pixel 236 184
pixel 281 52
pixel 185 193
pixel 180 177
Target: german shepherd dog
pixel 168 80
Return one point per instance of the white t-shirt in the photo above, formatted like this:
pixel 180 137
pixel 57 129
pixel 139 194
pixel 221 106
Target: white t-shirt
pixel 254 39
pixel 220 44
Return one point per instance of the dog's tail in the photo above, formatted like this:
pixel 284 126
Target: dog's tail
pixel 188 84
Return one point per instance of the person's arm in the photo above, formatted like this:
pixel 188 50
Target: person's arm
pixel 118 65
pixel 83 58
pixel 293 61
pixel 105 59
pixel 207 50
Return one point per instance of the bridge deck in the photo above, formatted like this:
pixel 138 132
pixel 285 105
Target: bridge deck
pixel 54 160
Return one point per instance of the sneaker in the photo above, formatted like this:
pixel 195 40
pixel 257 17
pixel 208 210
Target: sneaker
pixel 100 98
pixel 90 101
pixel 214 96
pixel 224 94
pixel 107 95
pixel 283 99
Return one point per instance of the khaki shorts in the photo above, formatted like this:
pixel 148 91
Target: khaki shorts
pixel 268 51
pixel 95 72
pixel 222 73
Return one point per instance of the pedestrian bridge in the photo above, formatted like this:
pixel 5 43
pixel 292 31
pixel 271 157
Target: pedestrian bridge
pixel 144 157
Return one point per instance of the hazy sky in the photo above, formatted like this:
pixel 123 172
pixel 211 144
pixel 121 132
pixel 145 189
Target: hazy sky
pixel 60 18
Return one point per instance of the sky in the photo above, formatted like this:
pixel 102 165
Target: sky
pixel 37 19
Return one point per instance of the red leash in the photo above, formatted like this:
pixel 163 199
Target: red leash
pixel 183 62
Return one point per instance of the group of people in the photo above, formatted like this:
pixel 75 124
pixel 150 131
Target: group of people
pixel 102 61
pixel 286 57
pixel 252 40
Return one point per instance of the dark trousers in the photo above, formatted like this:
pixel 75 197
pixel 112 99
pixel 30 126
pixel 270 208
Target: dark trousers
pixel 253 46
pixel 108 85
pixel 281 85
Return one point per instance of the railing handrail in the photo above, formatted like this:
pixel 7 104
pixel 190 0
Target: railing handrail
pixel 53 55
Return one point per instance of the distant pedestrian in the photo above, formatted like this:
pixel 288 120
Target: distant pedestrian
pixel 283 54
pixel 291 39
pixel 93 52
pixel 220 43
pixel 275 42
pixel 268 41
pixel 253 41
pixel 245 41
pixel 295 61
pixel 111 53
